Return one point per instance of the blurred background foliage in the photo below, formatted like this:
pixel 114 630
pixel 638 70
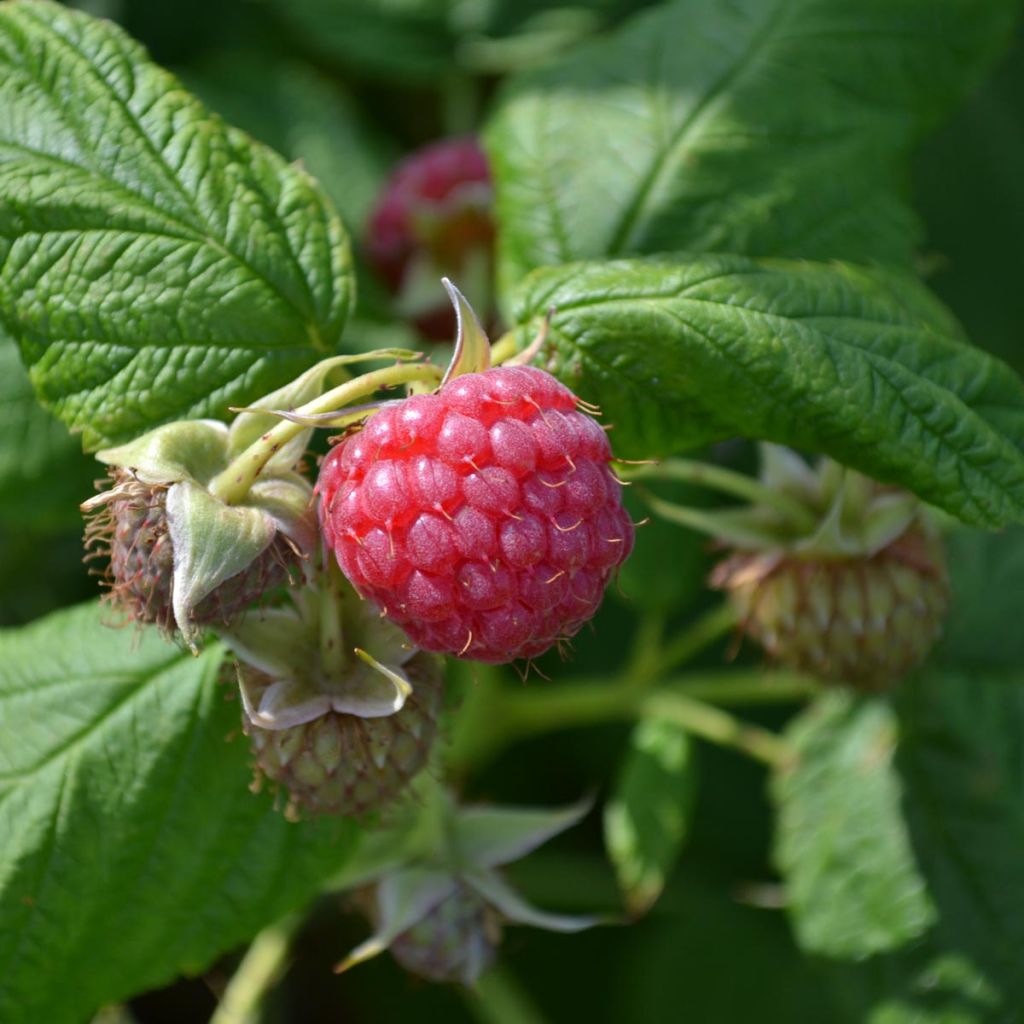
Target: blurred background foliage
pixel 347 87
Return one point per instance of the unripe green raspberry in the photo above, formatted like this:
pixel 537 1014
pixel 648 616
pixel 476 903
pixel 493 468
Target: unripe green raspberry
pixel 456 941
pixel 862 620
pixel 131 530
pixel 347 764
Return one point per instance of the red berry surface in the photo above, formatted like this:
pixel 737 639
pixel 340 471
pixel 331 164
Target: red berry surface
pixel 435 207
pixel 483 519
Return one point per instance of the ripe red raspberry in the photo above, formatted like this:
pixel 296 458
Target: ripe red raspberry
pixel 483 519
pixel 434 218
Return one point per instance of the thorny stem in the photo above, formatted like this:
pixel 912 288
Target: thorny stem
pixel 261 969
pixel 730 482
pixel 233 484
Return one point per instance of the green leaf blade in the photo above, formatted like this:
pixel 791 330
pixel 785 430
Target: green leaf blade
pixel 768 129
pixel 853 887
pixel 157 264
pixel 127 822
pixel 858 364
pixel 647 819
pixel 963 771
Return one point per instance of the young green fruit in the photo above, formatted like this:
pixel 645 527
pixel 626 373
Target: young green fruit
pixel 347 764
pixel 456 941
pixel 131 533
pixel 866 621
pixel 830 572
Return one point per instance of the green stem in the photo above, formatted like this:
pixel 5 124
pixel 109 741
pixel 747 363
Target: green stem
pixel 647 645
pixel 720 727
pixel 233 484
pixel 499 998
pixel 730 482
pixel 332 650
pixel 261 969
pixel 501 717
pixel 504 348
pixel 691 641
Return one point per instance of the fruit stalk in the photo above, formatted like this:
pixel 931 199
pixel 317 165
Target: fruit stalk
pixel 233 484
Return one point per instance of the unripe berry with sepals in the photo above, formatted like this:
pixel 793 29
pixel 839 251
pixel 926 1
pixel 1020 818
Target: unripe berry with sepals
pixel 455 942
pixel 482 519
pixel 442 907
pixel 434 217
pixel 832 573
pixel 131 533
pixel 864 621
pixel 340 763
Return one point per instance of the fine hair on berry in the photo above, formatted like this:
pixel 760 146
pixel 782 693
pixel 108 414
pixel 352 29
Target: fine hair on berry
pixel 483 519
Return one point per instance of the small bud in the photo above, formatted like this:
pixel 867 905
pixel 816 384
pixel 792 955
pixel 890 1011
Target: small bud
pixel 455 942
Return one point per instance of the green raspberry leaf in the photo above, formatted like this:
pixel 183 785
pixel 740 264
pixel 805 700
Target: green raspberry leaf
pixel 987 580
pixel 862 365
pixel 156 263
pixel 126 819
pixel 853 886
pixel 648 816
pixel 959 762
pixel 304 116
pixel 43 474
pixel 770 129
pixel 964 777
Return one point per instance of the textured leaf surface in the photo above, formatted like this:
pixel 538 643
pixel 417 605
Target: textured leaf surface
pixel 767 127
pixel 962 771
pixel 130 845
pixel 43 474
pixel 304 116
pixel 862 365
pixel 154 263
pixel 852 883
pixel 648 816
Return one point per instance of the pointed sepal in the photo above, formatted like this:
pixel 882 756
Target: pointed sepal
pixel 472 348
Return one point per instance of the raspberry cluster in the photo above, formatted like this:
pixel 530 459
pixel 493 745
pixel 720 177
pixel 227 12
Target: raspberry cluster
pixel 483 519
